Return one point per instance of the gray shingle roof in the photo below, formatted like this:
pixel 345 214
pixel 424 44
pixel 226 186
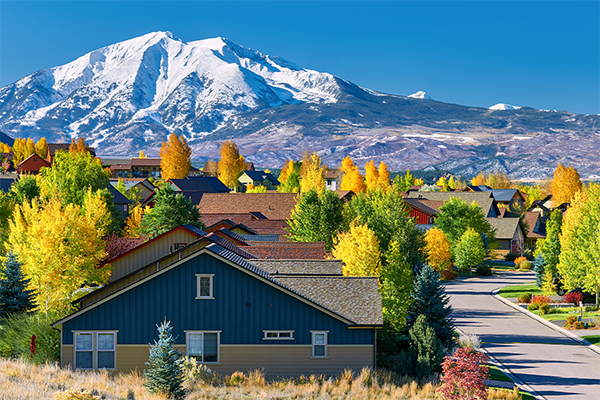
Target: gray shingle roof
pixel 355 298
pixel 505 227
pixel 300 267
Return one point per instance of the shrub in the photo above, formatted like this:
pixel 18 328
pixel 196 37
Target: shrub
pixel 533 307
pixel 425 348
pixel 579 325
pixel 464 375
pixel 590 308
pixel 525 298
pixel 511 256
pixel 555 310
pixel 74 394
pixel 15 338
pixel 198 373
pixel 573 297
pixel 525 265
pixel 544 308
pixel 518 261
pixel 484 270
pixel 448 275
pixel 540 300
pixel 469 341
pixel 571 320
pixel 237 378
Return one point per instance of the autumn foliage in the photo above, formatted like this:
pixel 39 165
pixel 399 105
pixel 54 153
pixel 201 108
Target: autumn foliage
pixel 565 183
pixel 438 249
pixel 311 173
pixel 464 374
pixel 175 158
pixel 352 178
pixel 231 164
pixel 377 178
pixel 359 250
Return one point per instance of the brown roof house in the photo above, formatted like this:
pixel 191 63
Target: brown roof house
pixel 484 200
pixel 510 235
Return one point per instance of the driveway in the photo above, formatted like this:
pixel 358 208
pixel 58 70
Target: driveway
pixel 552 364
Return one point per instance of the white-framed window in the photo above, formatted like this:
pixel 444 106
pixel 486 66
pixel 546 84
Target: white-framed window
pixel 203 345
pixel 204 286
pixel 278 335
pixel 319 343
pixel 95 350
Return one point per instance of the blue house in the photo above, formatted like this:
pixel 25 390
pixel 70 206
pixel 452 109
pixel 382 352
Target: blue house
pixel 232 315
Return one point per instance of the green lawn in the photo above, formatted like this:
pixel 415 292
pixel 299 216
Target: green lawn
pixel 497 375
pixel 593 339
pixel 500 266
pixel 517 290
pixel 563 316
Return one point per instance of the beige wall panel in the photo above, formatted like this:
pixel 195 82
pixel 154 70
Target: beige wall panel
pixel 130 358
pixel 66 356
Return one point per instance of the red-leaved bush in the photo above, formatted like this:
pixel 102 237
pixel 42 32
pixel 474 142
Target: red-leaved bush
pixel 540 300
pixel 464 373
pixel 573 297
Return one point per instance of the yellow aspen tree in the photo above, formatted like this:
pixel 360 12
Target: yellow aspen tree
pixel 30 147
pixel 231 164
pixel 41 148
pixel 60 248
pixel 19 150
pixel 383 177
pixel 371 176
pixel 288 167
pixel 359 250
pixel 418 182
pixel 479 179
pixel 78 146
pixel 134 222
pixel 175 158
pixel 141 156
pixel 438 249
pixel 565 183
pixel 311 173
pixel 352 178
pixel 4 148
pixel 443 183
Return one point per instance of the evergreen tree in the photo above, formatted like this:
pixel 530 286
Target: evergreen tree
pixel 538 268
pixel 170 210
pixel 426 350
pixel 165 373
pixel 14 296
pixel 430 300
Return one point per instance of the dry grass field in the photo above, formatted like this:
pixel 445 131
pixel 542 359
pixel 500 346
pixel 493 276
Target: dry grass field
pixel 24 381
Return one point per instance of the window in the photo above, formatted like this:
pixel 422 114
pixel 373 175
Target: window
pixel 205 286
pixel 319 344
pixel 278 335
pixel 204 346
pixel 178 246
pixel 95 350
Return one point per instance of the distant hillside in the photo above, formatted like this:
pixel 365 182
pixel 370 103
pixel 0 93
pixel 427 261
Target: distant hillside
pixel 4 138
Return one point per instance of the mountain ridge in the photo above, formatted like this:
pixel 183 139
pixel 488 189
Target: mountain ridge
pixel 130 95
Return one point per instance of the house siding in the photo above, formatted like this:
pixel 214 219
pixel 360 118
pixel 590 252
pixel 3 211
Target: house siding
pixel 242 308
pixel 420 217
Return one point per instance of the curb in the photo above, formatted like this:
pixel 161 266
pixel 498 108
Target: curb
pixel 549 324
pixel 516 381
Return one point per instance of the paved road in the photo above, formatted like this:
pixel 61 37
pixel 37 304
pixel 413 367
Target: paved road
pixel 554 365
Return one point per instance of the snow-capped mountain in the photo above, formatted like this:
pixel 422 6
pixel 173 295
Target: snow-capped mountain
pixel 130 95
pixel 420 95
pixel 503 106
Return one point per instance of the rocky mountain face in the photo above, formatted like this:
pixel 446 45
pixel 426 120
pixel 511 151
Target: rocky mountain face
pixel 129 96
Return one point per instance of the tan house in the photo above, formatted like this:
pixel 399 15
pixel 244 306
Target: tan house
pixel 256 178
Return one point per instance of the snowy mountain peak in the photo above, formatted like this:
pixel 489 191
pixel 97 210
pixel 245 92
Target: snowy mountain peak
pixel 420 95
pixel 503 106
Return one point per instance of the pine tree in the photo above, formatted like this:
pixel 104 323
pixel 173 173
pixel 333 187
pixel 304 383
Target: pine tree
pixel 538 268
pixel 426 350
pixel 175 158
pixel 430 299
pixel 14 296
pixel 165 372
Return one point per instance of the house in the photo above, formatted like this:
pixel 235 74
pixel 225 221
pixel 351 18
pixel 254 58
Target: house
pixel 421 212
pixel 143 185
pixel 273 205
pixel 256 178
pixel 31 165
pixel 211 167
pixel 333 179
pixel 54 147
pixel 510 235
pixel 273 250
pixel 121 202
pixel 484 200
pixel 543 206
pixel 6 183
pixel 194 187
pixel 509 198
pixel 231 315
pixel 535 228
pixel 135 168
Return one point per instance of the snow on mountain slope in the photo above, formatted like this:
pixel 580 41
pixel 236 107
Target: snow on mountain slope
pixel 157 81
pixel 420 95
pixel 503 106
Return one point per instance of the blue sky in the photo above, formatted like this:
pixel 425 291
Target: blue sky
pixel 542 54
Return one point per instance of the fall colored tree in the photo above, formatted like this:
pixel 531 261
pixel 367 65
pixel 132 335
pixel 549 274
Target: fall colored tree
pixel 371 176
pixel 383 181
pixel 256 189
pixel 133 223
pixel 579 260
pixel 78 146
pixel 4 148
pixel 469 251
pixel 438 249
pixel 358 248
pixel 41 148
pixel 311 173
pixel 478 180
pixel 142 156
pixel 175 158
pixel 495 180
pixel 464 375
pixel 289 178
pixel 7 206
pixel 565 183
pixel 71 249
pixel 443 184
pixel 352 178
pixel 231 164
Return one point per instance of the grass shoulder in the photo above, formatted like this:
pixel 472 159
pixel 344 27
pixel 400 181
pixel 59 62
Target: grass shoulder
pixel 517 290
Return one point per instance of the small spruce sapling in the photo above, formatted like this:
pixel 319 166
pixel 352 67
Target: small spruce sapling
pixel 165 372
pixel 14 296
pixel 538 267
